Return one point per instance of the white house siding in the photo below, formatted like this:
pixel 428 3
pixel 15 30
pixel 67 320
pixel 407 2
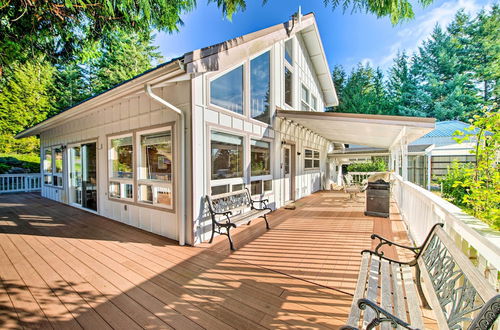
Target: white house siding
pixel 130 112
pixel 207 117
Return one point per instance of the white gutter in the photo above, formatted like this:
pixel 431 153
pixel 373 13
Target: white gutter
pixel 183 183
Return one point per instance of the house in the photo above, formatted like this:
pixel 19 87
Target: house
pixel 247 112
pixel 428 157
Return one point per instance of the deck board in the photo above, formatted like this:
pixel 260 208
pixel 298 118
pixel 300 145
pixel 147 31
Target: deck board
pixel 67 268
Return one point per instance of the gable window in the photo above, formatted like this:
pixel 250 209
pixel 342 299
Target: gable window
pixel 289 51
pixel 155 168
pixel 260 153
pixel 288 87
pixel 121 169
pixel 226 156
pixel 260 85
pixel 311 159
pixel 304 104
pixel 226 91
pixel 314 103
pixel 47 166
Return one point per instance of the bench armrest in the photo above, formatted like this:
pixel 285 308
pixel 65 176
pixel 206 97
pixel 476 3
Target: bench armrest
pixel 382 315
pixel 262 206
pixel 384 241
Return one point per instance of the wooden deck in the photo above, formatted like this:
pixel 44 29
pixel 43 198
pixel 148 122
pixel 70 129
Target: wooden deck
pixel 61 267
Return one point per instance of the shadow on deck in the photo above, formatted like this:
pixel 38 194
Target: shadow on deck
pixel 65 268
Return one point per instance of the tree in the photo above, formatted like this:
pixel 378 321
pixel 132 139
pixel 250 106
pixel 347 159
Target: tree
pixel 339 80
pixel 482 181
pixel 119 56
pixel 446 89
pixel 402 89
pixel 123 56
pixel 26 98
pixel 60 29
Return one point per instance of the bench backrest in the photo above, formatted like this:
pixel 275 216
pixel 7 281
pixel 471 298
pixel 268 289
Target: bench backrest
pixel 232 201
pixel 456 290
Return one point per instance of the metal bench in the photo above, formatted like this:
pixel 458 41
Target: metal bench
pixel 458 294
pixel 230 209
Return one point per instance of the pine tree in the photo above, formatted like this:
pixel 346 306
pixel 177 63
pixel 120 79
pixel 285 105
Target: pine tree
pixel 339 80
pixel 449 90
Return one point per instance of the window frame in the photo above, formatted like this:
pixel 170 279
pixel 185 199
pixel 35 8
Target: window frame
pixel 265 177
pixel 226 181
pixel 248 91
pixel 155 184
pixel 121 181
pixel 52 174
pixel 313 158
pixel 291 68
pixel 245 84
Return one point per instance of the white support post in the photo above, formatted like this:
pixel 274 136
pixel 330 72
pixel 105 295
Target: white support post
pixel 429 158
pixel 404 156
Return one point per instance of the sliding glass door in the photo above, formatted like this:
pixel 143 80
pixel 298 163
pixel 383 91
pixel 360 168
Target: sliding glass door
pixel 83 175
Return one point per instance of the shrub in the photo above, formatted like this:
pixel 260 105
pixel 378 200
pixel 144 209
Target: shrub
pixel 30 162
pixel 377 165
pixel 456 172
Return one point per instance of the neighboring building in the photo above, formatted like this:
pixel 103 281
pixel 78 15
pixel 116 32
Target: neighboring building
pixel 215 120
pixel 428 157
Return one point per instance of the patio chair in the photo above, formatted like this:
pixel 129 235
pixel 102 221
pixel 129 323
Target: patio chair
pixel 353 189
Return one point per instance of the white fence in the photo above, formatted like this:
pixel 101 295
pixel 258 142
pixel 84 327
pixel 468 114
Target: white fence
pixel 20 182
pixel 359 177
pixel 421 209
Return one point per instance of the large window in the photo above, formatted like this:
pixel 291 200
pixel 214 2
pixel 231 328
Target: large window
pixel 121 166
pixel 260 84
pixel 226 91
pixel 311 159
pixel 260 152
pixel 155 168
pixel 226 156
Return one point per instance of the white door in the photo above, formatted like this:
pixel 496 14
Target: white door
pixel 286 173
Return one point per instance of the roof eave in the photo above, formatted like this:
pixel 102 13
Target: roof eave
pixel 135 84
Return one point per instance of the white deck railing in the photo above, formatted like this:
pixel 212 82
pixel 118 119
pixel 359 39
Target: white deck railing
pixel 359 177
pixel 421 209
pixel 20 182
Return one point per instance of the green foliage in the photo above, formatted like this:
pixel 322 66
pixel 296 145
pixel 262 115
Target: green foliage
pixel 30 162
pixel 482 181
pixel 453 75
pixel 377 165
pixel 396 10
pixel 450 191
pixel 362 92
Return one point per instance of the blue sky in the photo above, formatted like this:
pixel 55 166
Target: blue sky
pixel 347 38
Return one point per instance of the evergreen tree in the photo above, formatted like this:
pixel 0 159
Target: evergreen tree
pixel 339 80
pixel 404 96
pixel 448 88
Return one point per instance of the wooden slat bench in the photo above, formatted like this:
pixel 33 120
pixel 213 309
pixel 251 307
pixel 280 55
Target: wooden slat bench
pixel 231 209
pixel 457 293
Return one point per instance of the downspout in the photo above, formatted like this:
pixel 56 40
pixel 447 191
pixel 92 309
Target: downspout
pixel 182 140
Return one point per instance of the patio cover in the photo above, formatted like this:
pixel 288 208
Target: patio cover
pixel 378 131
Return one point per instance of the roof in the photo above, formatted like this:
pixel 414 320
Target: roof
pixel 379 131
pixel 210 59
pixel 447 128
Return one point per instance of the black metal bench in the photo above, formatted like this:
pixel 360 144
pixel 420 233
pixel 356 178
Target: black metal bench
pixel 456 291
pixel 230 209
